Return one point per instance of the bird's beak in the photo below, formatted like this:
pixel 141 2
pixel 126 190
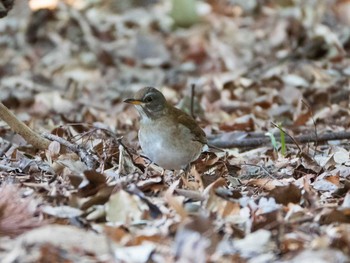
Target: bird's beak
pixel 133 101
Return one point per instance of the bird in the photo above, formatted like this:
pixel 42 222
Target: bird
pixel 168 136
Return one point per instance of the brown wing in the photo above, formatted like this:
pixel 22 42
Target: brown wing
pixel 190 123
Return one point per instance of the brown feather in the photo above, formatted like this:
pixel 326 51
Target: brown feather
pixel 187 121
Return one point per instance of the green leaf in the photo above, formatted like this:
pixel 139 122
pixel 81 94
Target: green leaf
pixel 283 141
pixel 273 140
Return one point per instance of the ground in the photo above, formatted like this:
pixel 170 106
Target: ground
pixel 268 81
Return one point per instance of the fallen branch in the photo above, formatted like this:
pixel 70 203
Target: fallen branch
pixel 87 158
pixel 22 129
pixel 229 140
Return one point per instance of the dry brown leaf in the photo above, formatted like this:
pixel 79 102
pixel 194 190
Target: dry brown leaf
pixel 286 194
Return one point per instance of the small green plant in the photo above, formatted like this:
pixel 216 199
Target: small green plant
pixel 184 12
pixel 282 140
pixel 273 140
pixel 283 149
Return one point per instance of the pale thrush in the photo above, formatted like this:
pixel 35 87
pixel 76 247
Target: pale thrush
pixel 168 136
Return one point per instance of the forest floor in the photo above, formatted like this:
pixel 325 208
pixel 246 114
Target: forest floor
pixel 271 88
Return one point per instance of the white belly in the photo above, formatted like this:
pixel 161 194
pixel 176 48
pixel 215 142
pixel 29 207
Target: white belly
pixel 169 146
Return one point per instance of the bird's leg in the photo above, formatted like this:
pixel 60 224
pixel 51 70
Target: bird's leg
pixel 185 173
pixel 147 165
pixel 146 170
pixel 187 170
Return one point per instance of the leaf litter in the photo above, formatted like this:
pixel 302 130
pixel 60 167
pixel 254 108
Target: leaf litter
pixel 66 67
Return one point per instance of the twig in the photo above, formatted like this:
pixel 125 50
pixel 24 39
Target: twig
pixel 119 140
pixel 256 141
pixel 193 91
pixel 262 168
pixel 90 162
pixel 22 129
pixel 190 194
pixel 6 148
pixel 6 168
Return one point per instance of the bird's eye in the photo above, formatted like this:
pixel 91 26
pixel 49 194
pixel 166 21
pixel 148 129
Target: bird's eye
pixel 148 99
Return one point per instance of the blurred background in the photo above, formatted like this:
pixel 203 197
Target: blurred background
pixel 251 61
